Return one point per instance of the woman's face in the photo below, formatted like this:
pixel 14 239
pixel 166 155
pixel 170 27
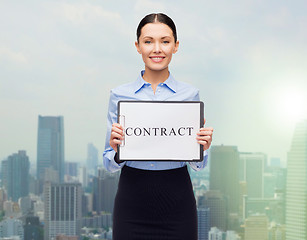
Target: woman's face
pixel 157 45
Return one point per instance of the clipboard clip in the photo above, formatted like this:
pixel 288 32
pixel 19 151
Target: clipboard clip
pixel 122 122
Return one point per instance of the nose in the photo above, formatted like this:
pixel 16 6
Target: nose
pixel 157 47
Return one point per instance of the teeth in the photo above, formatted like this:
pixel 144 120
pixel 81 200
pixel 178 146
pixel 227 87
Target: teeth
pixel 157 58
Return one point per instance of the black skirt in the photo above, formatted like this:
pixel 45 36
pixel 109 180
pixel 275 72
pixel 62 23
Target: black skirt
pixel 155 205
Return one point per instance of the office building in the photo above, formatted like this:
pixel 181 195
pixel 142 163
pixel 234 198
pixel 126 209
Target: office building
pixel 71 169
pixel 11 209
pixel 25 204
pixel 251 171
pixel 273 208
pixel 216 202
pixel 50 146
pixel 224 174
pixel 102 220
pixel 32 229
pixel 256 228
pixel 82 176
pixel 17 175
pixel 242 195
pixel 216 234
pixel 104 191
pixel 2 198
pixel 4 173
pixel 232 235
pixel 63 237
pixel 11 227
pixel 275 162
pixel 203 223
pixel 277 232
pixel 62 209
pixel 296 188
pixel 92 158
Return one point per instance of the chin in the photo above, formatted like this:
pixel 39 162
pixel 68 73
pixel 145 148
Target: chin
pixel 156 68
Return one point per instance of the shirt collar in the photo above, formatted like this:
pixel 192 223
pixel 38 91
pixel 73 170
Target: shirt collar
pixel 170 82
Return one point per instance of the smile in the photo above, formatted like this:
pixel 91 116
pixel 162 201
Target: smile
pixel 157 59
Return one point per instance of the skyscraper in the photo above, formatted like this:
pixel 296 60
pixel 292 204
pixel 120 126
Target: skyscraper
pixel 224 174
pixel 296 188
pixel 203 223
pixel 251 171
pixel 33 229
pixel 216 202
pixel 256 228
pixel 50 145
pixel 17 175
pixel 216 234
pixel 11 227
pixel 62 209
pixel 92 158
pixel 71 168
pixel 104 191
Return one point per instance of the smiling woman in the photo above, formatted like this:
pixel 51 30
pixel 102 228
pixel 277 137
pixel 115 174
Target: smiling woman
pixel 155 199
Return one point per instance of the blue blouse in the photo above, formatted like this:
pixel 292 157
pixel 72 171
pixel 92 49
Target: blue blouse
pixel 169 90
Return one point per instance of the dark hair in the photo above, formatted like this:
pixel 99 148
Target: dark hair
pixel 156 17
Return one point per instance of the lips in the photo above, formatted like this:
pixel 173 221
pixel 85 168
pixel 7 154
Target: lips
pixel 157 59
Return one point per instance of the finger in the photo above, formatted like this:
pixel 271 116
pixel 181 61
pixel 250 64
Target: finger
pixel 205 133
pixel 117 125
pixel 117 130
pixel 205 144
pixel 115 135
pixel 204 121
pixel 207 129
pixel 205 138
pixel 204 141
pixel 116 141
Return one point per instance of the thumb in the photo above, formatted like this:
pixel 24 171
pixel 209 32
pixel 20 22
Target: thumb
pixel 204 121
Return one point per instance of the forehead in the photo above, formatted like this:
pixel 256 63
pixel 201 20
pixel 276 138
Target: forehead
pixel 156 30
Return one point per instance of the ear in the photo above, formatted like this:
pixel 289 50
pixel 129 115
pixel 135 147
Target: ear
pixel 137 47
pixel 176 47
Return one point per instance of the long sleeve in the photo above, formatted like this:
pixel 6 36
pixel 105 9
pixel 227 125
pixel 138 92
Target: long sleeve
pixel 197 166
pixel 109 153
pixel 170 90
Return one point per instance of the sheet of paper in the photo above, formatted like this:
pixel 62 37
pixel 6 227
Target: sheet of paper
pixel 160 130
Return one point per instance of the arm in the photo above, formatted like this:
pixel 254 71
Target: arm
pixel 114 131
pixel 204 137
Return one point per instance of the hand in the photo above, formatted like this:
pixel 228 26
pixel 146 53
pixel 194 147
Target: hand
pixel 204 136
pixel 117 134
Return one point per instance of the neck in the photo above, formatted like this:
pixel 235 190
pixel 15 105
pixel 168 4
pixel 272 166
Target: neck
pixel 155 77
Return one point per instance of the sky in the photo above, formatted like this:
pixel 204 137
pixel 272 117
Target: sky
pixel 248 59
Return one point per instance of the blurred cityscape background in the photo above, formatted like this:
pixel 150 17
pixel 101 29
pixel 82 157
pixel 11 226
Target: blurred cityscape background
pixel 240 195
pixel 60 58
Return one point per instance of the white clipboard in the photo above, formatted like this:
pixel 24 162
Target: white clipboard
pixel 160 130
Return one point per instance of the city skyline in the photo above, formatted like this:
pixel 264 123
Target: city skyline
pixel 62 58
pixel 219 209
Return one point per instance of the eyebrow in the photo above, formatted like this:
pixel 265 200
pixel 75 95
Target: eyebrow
pixel 161 37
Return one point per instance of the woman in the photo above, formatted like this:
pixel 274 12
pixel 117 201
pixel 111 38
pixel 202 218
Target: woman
pixel 154 200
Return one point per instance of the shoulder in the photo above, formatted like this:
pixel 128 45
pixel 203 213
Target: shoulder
pixel 124 89
pixel 185 86
pixel 187 90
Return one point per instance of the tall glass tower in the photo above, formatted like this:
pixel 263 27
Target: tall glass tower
pixel 15 172
pixel 296 197
pixel 50 146
pixel 224 174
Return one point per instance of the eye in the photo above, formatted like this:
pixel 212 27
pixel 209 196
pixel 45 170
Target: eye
pixel 147 41
pixel 165 42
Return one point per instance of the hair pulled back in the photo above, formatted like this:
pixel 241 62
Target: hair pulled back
pixel 156 17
